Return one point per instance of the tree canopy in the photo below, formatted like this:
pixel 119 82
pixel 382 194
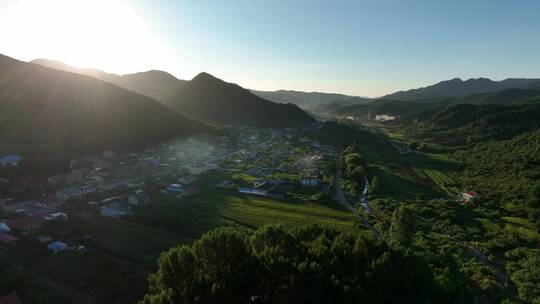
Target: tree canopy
pixel 310 264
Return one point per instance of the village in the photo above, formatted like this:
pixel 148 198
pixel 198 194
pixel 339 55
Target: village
pixel 260 162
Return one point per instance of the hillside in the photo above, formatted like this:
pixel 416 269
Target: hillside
pixel 308 99
pixel 456 88
pixel 42 106
pixel 158 85
pixel 508 96
pixel 465 123
pixel 213 100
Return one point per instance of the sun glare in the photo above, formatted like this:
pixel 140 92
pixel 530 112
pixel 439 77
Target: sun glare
pixel 106 34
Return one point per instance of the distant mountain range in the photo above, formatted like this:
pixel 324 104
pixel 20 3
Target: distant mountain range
pixel 457 88
pixel 43 106
pixel 308 100
pixel 213 100
pixel 405 107
pixel 205 97
pixel 158 85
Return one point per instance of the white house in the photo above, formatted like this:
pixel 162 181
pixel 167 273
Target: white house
pixel 57 216
pixel 10 160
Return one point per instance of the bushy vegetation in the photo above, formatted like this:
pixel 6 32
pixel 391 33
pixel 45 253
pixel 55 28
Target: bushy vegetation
pixel 465 124
pixel 306 265
pixel 353 167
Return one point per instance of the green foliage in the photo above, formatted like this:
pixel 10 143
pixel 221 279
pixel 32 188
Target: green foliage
pixel 524 269
pixel 403 226
pixel 307 265
pixel 465 124
pixel 353 165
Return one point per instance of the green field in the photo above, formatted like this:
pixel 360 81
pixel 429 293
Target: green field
pixel 191 217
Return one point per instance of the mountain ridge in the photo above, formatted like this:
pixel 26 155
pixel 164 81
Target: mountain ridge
pixel 213 100
pixel 40 105
pixel 456 88
pixel 157 84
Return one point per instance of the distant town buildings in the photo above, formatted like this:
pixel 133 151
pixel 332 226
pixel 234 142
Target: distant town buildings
pixel 384 117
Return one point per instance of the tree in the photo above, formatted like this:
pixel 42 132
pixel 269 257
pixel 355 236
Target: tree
pixel 310 264
pixel 403 225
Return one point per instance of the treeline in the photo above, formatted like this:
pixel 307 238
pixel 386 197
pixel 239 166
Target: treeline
pixel 306 265
pixel 354 171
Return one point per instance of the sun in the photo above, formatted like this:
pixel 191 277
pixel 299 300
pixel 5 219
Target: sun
pixel 106 34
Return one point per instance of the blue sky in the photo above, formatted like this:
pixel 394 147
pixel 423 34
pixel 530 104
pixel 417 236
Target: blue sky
pixel 366 48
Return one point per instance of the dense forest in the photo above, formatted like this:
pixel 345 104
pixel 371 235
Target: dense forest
pixel 309 264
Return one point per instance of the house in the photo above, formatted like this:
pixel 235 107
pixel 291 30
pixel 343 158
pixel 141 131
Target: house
pixel 12 298
pixel 112 211
pixel 57 216
pixel 4 227
pixel 72 192
pixel 10 160
pixel 57 246
pixel 7 239
pixel 468 197
pixel 310 181
pixel 30 222
pixel 174 188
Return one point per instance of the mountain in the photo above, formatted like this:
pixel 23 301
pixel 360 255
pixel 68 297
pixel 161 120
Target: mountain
pixel 406 107
pixel 43 106
pixel 307 99
pixel 213 100
pixel 508 96
pixel 466 123
pixel 158 85
pixel 456 88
